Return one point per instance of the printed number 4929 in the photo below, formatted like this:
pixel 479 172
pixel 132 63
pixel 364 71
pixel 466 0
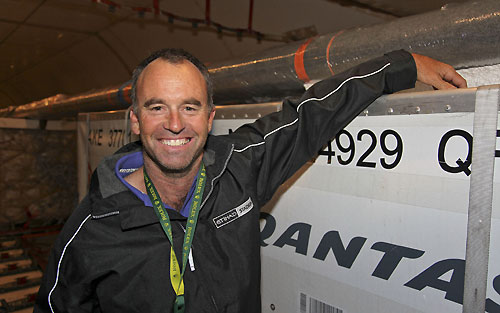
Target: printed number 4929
pixel 348 149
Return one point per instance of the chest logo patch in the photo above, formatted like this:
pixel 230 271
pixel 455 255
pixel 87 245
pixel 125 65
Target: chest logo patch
pixel 233 214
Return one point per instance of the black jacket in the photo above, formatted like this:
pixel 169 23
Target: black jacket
pixel 112 255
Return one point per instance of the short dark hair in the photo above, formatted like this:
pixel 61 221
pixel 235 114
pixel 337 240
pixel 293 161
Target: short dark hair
pixel 174 56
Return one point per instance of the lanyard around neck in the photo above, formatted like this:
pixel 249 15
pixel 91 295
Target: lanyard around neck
pixel 176 275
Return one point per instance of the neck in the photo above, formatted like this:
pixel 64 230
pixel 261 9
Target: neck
pixel 172 187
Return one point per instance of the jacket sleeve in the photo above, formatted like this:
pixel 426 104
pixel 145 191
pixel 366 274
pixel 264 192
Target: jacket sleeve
pixel 280 143
pixel 65 285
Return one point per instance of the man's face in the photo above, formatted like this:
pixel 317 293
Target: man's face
pixel 173 118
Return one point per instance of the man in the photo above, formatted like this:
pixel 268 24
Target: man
pixel 115 253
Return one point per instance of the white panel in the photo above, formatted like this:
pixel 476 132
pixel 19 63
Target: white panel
pixel 418 205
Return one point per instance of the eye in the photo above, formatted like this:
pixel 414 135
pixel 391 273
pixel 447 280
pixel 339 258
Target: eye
pixel 190 108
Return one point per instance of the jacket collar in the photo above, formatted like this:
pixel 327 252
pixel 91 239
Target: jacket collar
pixel 112 197
pixel 217 153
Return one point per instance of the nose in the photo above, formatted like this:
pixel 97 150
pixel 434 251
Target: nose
pixel 174 122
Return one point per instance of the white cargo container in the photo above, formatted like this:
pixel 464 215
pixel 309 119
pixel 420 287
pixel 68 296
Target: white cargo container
pixel 378 222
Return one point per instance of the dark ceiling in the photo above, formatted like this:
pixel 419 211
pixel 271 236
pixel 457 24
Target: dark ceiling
pixel 71 46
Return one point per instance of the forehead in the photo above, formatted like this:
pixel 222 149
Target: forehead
pixel 171 78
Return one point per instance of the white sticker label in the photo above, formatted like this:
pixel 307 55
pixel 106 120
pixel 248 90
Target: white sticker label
pixel 233 214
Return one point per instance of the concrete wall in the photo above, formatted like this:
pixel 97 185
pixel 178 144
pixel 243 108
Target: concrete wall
pixel 38 176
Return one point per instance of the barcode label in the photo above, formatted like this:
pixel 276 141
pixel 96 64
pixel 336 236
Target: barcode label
pixel 303 303
pixel 316 306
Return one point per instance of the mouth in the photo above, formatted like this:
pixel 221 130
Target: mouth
pixel 175 142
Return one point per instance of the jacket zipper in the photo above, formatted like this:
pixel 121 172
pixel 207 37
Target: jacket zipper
pixel 205 200
pixel 215 304
pixel 217 177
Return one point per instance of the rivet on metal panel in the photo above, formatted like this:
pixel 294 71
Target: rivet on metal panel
pixel 222 116
pixel 259 115
pixel 234 115
pixel 365 112
pixel 273 307
pixel 390 111
pixel 246 115
pixel 448 108
pixel 417 110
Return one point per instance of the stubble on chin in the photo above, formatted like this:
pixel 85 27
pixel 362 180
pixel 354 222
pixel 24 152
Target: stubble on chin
pixel 165 168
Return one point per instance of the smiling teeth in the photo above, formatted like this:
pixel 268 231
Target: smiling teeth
pixel 175 142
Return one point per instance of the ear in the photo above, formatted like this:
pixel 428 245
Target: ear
pixel 134 123
pixel 211 119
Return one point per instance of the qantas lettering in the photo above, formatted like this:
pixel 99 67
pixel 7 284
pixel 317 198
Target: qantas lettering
pixel 297 235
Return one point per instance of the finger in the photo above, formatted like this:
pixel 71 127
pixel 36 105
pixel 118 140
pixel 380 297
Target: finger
pixel 456 79
pixel 439 83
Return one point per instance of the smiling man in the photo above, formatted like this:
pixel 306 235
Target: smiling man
pixel 150 237
pixel 173 116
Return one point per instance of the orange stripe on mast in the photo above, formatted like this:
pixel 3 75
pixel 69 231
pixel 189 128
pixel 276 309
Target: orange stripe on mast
pixel 299 62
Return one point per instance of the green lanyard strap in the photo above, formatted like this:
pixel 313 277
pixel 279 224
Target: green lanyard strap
pixel 176 275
